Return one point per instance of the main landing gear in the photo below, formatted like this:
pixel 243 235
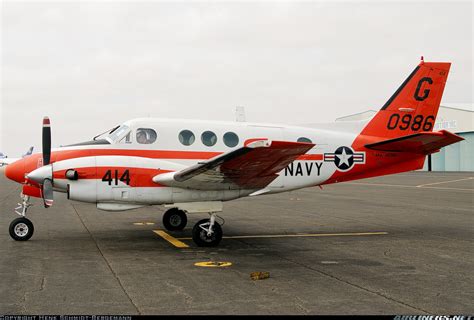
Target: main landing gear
pixel 175 219
pixel 206 233
pixel 21 229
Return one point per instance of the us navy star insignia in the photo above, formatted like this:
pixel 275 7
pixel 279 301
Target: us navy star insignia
pixel 345 158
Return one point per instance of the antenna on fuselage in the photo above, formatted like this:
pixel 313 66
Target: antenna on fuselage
pixel 240 114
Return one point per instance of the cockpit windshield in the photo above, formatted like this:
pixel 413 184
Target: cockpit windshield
pixel 114 134
pixel 118 133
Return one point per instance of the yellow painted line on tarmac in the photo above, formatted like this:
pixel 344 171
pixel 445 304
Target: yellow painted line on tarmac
pixel 301 235
pixel 213 264
pixel 143 223
pixel 175 242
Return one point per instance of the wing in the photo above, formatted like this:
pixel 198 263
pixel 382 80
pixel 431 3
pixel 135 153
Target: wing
pixel 423 142
pixel 253 166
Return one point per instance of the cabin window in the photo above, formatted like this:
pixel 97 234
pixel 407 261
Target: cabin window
pixel 145 135
pixel 231 139
pixel 209 138
pixel 186 137
pixel 303 139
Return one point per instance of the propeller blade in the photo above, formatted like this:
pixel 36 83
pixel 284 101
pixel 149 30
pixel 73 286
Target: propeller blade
pixel 46 141
pixel 47 188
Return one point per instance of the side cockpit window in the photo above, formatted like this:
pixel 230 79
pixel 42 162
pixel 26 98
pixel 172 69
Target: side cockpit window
pixel 145 135
pixel 127 138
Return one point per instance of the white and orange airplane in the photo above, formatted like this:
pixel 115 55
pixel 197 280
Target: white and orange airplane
pixel 194 166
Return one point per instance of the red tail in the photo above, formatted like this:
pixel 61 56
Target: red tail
pixel 414 106
pixel 399 136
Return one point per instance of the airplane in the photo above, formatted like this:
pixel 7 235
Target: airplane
pixel 4 160
pixel 192 166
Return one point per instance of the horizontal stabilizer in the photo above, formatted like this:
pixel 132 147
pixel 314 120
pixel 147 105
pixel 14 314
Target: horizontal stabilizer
pixel 422 143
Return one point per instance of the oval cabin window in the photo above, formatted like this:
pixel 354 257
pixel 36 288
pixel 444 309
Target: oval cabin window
pixel 209 138
pixel 186 137
pixel 231 139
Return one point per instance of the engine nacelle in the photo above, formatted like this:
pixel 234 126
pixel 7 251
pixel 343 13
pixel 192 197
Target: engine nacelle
pixel 82 190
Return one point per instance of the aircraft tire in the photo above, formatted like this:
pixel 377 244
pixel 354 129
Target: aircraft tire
pixel 21 229
pixel 200 237
pixel 175 219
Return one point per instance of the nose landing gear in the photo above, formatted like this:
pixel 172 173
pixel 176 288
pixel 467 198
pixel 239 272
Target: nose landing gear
pixel 207 232
pixel 21 229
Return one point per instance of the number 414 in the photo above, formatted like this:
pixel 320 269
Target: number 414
pixel 125 177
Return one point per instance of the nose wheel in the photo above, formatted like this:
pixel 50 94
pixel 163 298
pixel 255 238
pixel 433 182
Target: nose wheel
pixel 21 229
pixel 175 219
pixel 207 233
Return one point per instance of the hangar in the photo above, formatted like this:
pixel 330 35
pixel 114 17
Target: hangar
pixel 457 118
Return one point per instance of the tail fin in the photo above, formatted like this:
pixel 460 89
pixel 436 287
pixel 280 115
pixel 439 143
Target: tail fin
pixel 414 106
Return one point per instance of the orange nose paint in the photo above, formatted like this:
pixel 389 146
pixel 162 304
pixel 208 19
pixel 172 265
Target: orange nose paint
pixel 16 171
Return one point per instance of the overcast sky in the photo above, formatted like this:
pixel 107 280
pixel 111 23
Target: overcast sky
pixel 92 65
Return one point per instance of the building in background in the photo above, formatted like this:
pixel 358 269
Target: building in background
pixel 456 118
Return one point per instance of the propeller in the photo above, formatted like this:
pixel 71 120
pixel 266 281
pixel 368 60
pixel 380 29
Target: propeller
pixel 46 141
pixel 44 175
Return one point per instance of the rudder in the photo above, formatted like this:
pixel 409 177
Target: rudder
pixel 414 106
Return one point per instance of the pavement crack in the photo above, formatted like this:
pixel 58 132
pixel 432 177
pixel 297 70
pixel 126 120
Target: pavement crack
pixel 43 282
pixel 28 292
pixel 188 300
pixel 299 305
pixel 106 261
pixel 23 302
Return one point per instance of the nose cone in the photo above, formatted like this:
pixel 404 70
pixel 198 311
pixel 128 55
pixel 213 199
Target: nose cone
pixel 16 171
pixel 40 174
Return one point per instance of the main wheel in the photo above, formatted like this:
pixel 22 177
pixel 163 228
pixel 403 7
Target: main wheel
pixel 200 236
pixel 21 229
pixel 175 219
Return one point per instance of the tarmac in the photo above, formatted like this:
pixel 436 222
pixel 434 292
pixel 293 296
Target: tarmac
pixel 399 244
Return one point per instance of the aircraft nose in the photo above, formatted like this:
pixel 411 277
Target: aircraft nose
pixel 16 171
